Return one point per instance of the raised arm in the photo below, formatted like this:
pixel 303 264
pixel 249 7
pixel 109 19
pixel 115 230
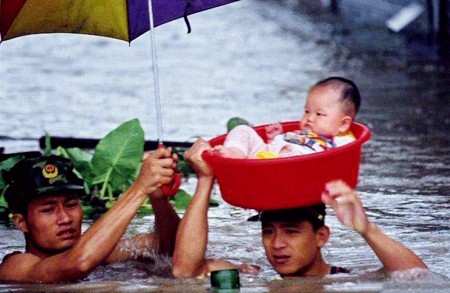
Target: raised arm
pixel 192 236
pixel 162 241
pixel 349 210
pixel 99 241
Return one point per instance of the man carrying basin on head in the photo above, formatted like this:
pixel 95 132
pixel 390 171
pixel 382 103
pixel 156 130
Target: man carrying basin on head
pixel 292 238
pixel 44 195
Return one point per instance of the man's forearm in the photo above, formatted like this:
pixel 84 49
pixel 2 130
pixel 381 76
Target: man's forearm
pixel 100 239
pixel 192 237
pixel 166 225
pixel 393 255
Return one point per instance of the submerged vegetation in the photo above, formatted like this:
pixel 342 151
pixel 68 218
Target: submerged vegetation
pixel 107 171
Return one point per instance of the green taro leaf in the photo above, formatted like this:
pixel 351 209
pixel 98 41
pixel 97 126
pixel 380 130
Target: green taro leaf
pixel 3 202
pixel 185 169
pixel 5 166
pixel 82 162
pixel 48 144
pixel 118 155
pixel 88 210
pixel 182 199
pixel 146 209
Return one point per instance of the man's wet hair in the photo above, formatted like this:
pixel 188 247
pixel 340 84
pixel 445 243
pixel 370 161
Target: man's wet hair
pixel 349 92
pixel 314 214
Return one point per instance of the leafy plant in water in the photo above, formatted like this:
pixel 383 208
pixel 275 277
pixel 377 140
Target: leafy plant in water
pixel 113 166
pixel 48 146
pixel 109 170
pixel 5 166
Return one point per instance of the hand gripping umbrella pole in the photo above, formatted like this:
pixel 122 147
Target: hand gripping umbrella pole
pixel 171 188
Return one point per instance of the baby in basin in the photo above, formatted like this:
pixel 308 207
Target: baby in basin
pixel 330 108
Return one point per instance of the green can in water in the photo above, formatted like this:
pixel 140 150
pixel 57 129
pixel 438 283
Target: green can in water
pixel 225 281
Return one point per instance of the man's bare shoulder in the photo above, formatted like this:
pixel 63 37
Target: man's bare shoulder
pixel 17 264
pixel 10 255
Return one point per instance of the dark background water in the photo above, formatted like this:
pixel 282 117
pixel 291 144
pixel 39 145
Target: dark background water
pixel 255 59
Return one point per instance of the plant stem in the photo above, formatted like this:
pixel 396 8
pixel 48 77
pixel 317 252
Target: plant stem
pixel 105 184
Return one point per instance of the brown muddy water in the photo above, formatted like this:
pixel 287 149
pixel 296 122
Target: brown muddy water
pixel 253 59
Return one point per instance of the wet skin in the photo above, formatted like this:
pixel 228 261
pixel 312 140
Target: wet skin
pixel 293 249
pixel 53 224
pixel 324 112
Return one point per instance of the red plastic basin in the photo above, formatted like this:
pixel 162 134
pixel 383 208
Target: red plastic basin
pixel 267 184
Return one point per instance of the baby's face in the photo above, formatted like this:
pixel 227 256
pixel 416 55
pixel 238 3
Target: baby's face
pixel 323 112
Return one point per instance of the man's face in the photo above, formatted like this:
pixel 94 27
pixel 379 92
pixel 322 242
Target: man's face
pixel 291 248
pixel 53 223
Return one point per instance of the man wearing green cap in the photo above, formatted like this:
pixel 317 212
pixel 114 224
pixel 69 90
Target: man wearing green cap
pixel 44 196
pixel 292 238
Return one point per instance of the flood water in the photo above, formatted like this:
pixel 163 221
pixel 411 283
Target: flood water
pixel 256 60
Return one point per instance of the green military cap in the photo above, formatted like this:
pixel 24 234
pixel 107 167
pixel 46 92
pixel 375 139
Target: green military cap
pixel 35 177
pixel 314 213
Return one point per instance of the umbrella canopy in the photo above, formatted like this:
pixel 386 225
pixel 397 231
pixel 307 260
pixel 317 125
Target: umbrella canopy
pixel 120 19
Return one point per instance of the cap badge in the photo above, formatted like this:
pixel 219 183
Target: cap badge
pixel 50 171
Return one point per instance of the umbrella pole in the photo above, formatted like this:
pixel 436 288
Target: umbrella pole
pixel 171 188
pixel 159 126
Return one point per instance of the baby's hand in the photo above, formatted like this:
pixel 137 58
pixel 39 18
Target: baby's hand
pixel 273 130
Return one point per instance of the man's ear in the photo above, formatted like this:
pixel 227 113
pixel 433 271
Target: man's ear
pixel 322 236
pixel 346 122
pixel 19 221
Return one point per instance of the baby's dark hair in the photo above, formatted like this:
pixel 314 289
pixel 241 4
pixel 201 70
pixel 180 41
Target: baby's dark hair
pixel 349 91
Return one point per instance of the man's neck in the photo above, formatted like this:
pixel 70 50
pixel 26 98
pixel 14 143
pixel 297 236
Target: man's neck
pixel 321 269
pixel 41 253
pixel 318 268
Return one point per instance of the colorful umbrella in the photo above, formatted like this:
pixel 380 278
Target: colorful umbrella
pixel 120 19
